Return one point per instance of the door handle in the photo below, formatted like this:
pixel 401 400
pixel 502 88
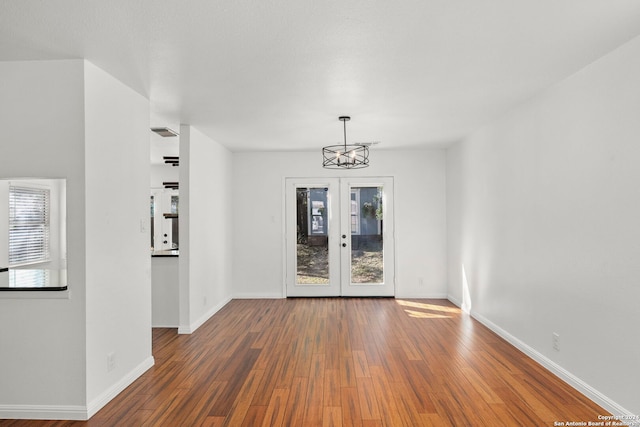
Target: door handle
pixel 344 236
pixel 344 245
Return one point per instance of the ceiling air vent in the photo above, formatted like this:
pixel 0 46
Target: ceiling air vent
pixel 164 132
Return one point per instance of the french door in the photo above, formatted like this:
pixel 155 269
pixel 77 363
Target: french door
pixel 339 237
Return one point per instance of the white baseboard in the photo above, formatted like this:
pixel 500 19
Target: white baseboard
pixel 73 412
pixel 259 296
pixel 98 403
pixel 454 300
pixel 280 296
pixel 206 316
pixel 164 326
pixel 566 376
pixel 421 296
pixel 43 412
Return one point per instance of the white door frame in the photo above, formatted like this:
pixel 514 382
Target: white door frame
pixel 292 288
pixel 339 194
pixel 387 287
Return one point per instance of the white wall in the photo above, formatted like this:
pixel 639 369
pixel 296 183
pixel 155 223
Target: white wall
pixel 43 340
pixel 205 228
pixel 162 173
pixel 164 271
pixel 543 209
pixel 118 309
pixel 165 292
pixel 420 223
pixel 68 119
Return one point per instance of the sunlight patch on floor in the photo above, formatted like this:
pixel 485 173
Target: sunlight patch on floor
pixel 422 310
pixel 425 315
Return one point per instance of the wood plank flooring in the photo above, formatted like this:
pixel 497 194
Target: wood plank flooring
pixel 340 362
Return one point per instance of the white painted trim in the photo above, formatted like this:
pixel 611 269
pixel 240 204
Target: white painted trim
pixel 165 326
pixel 283 232
pixel 454 300
pixel 206 316
pixel 98 403
pixel 249 295
pixel 421 296
pixel 566 376
pixel 43 412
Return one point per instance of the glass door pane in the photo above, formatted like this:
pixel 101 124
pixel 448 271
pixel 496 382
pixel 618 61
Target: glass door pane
pixel 312 236
pixel 367 253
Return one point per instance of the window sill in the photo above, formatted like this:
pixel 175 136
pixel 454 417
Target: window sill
pixel 33 283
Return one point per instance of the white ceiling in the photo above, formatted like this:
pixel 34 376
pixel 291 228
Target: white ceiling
pixel 276 74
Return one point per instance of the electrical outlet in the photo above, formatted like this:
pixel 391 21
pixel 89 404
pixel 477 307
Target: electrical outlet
pixel 111 361
pixel 556 341
pixel 420 281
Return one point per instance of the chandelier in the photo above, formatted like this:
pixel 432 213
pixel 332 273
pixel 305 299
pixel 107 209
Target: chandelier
pixel 345 156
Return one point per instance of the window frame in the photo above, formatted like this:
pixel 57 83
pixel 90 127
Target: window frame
pixel 34 226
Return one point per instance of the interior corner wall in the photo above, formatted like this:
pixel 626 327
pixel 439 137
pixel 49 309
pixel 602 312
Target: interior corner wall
pixel 43 340
pixel 543 234
pixel 205 227
pixel 420 217
pixel 117 235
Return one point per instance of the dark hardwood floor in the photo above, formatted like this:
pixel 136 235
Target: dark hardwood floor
pixel 333 362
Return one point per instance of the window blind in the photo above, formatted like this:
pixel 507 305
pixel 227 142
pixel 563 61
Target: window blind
pixel 29 211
